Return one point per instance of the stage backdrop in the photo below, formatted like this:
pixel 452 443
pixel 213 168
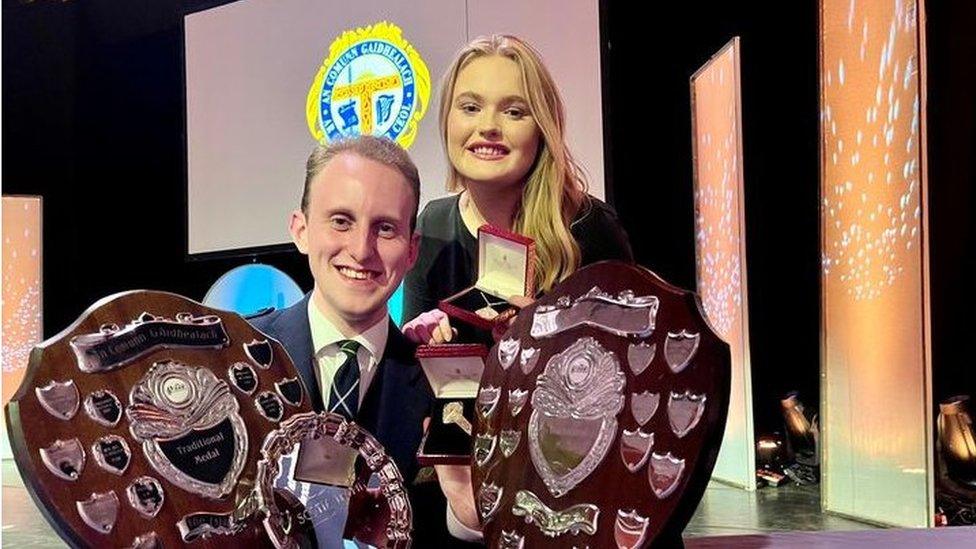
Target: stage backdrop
pixel 720 244
pixel 21 293
pixel 876 395
pixel 250 65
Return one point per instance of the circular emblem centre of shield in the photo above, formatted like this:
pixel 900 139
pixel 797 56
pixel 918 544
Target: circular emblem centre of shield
pixel 190 428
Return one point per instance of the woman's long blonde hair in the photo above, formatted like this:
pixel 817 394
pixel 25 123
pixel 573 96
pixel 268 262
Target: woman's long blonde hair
pixel 556 186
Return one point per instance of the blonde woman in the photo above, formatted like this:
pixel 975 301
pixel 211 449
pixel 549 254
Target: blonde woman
pixel 503 128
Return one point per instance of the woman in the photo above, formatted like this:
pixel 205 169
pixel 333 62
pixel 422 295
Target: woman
pixel 503 127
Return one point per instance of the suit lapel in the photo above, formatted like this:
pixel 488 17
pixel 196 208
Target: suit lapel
pixel 296 336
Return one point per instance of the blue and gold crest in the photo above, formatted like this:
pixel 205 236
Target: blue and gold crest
pixel 373 83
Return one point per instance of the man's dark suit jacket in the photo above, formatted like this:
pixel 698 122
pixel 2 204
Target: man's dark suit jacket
pixel 398 399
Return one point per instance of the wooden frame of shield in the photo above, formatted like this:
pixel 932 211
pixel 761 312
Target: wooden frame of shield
pixel 142 422
pixel 604 408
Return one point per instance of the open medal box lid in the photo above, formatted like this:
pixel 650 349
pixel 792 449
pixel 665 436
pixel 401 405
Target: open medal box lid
pixel 454 372
pixel 506 267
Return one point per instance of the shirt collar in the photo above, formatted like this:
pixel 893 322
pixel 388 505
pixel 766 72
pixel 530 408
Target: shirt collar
pixel 324 333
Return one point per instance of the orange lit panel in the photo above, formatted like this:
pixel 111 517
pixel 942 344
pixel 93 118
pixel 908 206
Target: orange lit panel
pixel 874 300
pixel 720 244
pixel 21 309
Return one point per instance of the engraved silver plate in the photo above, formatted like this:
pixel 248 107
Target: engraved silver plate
pixel 664 473
pixel 484 448
pixel 99 511
pixel 146 496
pixel 528 359
pixel 290 390
pixel 639 356
pixel 104 407
pixel 581 517
pixel 487 400
pixel 243 377
pixel 573 421
pixel 635 448
pixel 624 314
pixel 516 400
pixel 113 347
pixel 508 441
pixel 59 398
pixel 196 525
pixel 511 540
pixel 64 458
pixel 260 352
pixel 679 349
pixel 489 496
pixel 630 529
pixel 111 452
pixel 684 411
pixel 270 406
pixel 188 423
pixel 508 349
pixel 643 406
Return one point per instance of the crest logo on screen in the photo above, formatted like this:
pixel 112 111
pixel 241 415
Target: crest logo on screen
pixel 372 83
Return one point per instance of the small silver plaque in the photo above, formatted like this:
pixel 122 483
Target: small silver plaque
pixel 635 448
pixel 487 400
pixel 516 400
pixel 260 352
pixel 146 496
pixel 484 448
pixel 489 497
pixel 59 398
pixel 112 453
pixel 643 406
pixel 64 458
pixel 508 441
pixel 664 474
pixel 508 349
pixel 104 407
pixel 684 411
pixel 639 356
pixel 679 349
pixel 99 511
pixel 630 529
pixel 528 359
pixel 270 406
pixel 243 377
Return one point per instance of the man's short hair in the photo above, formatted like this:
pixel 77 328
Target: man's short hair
pixel 378 149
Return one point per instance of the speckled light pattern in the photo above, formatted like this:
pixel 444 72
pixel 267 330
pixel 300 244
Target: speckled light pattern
pixel 870 131
pixel 21 298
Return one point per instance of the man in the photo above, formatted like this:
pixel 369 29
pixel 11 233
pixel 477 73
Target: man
pixel 356 225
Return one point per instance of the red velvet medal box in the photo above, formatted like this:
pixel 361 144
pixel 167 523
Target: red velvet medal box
pixel 141 424
pixel 454 372
pixel 506 267
pixel 599 415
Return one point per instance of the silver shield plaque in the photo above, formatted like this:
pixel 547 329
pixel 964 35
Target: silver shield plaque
pixel 59 398
pixel 190 428
pixel 99 511
pixel 64 458
pixel 145 496
pixel 574 417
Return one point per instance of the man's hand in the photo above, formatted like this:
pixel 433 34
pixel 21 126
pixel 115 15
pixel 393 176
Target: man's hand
pixel 430 328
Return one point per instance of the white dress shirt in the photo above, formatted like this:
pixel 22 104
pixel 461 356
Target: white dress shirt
pixel 328 357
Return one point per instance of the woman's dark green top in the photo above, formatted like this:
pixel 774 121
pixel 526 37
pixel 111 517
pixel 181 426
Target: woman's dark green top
pixel 448 259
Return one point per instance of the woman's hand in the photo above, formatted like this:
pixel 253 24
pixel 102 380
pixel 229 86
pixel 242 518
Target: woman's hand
pixel 430 328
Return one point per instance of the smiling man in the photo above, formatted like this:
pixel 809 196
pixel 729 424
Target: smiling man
pixel 356 225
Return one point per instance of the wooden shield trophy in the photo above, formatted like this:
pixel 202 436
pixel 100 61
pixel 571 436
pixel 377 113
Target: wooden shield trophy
pixel 141 424
pixel 600 414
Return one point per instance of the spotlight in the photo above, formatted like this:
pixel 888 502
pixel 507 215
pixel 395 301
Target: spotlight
pixel 957 442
